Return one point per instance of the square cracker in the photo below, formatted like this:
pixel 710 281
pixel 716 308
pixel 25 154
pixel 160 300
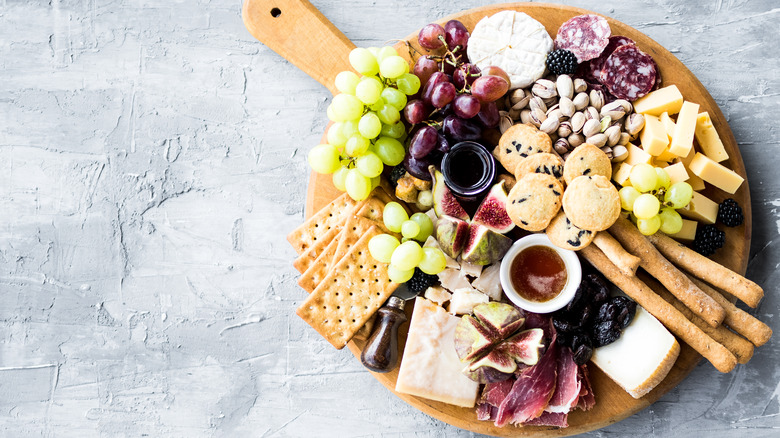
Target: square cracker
pixel 316 226
pixel 315 251
pixel 353 291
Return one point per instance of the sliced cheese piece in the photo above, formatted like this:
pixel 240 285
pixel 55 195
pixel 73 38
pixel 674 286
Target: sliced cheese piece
pixel 701 208
pixel 430 368
pixel 637 155
pixel 621 172
pixel 708 139
pixel 715 174
pixel 682 138
pixel 642 356
pixel 677 173
pixel 668 124
pixel 653 136
pixel 687 232
pixel 464 300
pixel 664 100
pixel 697 184
pixel 438 295
pixel 666 156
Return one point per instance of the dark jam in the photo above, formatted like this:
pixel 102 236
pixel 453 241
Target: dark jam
pixel 468 170
pixel 538 273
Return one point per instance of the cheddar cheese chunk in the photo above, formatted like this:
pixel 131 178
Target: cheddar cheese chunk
pixel 701 208
pixel 620 173
pixel 688 231
pixel 682 139
pixel 677 173
pixel 715 174
pixel 668 124
pixel 637 155
pixel 664 100
pixel 708 139
pixel 653 136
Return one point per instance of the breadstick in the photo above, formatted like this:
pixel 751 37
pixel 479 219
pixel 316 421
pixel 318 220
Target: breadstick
pixel 740 321
pixel 675 281
pixel 740 347
pixel 720 357
pixel 611 248
pixel 711 272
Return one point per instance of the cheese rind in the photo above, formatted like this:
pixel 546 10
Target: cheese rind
pixel 701 208
pixel 715 174
pixel 708 139
pixel 430 368
pixel 642 356
pixel 664 100
pixel 653 136
pixel 682 139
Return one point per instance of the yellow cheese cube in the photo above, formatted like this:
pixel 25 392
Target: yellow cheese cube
pixel 668 124
pixel 688 231
pixel 701 208
pixel 677 172
pixel 620 173
pixel 636 155
pixel 709 140
pixel 653 136
pixel 667 99
pixel 715 174
pixel 666 156
pixel 682 139
pixel 696 183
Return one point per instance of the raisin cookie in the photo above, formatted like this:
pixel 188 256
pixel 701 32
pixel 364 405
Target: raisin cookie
pixel 591 203
pixel 566 235
pixel 534 201
pixel 519 142
pixel 587 160
pixel 549 164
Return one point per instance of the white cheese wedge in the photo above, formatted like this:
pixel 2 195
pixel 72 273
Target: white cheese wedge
pixel 490 282
pixel 642 357
pixel 464 300
pixel 437 294
pixel 430 368
pixel 513 41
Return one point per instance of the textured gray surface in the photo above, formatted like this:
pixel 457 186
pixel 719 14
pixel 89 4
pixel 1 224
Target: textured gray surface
pixel 152 159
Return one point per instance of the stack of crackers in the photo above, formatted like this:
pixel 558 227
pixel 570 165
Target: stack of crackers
pixel 346 285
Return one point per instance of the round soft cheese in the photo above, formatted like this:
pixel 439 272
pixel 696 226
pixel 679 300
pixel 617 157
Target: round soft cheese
pixel 513 41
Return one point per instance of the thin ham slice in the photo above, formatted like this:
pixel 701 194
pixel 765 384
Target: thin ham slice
pixel 491 398
pixel 587 399
pixel 557 419
pixel 567 390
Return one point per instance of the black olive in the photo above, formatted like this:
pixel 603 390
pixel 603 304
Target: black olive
pixel 582 354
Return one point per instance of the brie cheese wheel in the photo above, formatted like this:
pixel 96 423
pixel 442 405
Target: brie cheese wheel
pixel 642 357
pixel 513 41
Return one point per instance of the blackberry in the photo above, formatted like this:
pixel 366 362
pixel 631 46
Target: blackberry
pixel 730 213
pixel 562 62
pixel 421 281
pixel 397 173
pixel 708 240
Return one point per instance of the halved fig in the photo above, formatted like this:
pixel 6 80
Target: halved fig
pixel 444 202
pixel 472 339
pixel 452 234
pixel 492 211
pixel 485 246
pixel 499 319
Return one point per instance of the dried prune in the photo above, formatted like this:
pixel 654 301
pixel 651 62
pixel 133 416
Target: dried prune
pixel 580 338
pixel 608 311
pixel 563 324
pixel 599 287
pixel 605 333
pixel 582 354
pixel 627 311
pixel 580 297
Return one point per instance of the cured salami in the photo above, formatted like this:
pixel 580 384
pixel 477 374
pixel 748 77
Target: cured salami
pixel 584 35
pixel 591 70
pixel 629 73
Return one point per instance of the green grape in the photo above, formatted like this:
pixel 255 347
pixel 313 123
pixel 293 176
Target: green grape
pixel 336 136
pixel 375 181
pixel 382 246
pixel 389 150
pixel 340 178
pixel 356 145
pixel 426 226
pixel 628 195
pixel 331 113
pixel 433 261
pixel 349 128
pixel 358 186
pixel 396 130
pixel 347 107
pixel 385 52
pixel 671 221
pixel 369 165
pixel 394 216
pixel 646 206
pixel 649 226
pixel 324 158
pixel 408 84
pixel 399 275
pixel 407 255
pixel 363 61
pixel 678 195
pixel 392 67
pixel 663 181
pixel 369 126
pixel 346 82
pixel 369 90
pixel 374 50
pixel 410 229
pixel 643 177
pixel 395 98
pixel 389 114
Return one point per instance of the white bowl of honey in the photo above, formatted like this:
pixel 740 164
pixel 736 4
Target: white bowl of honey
pixel 539 277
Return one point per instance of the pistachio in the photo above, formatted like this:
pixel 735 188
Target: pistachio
pixel 525 116
pixel 515 111
pixel 561 146
pixel 591 128
pixel 516 96
pixel 505 122
pixel 567 106
pixel 607 150
pixel 577 122
pixel 576 140
pixel 581 101
pixel 537 117
pixel 634 123
pixel 596 99
pixel 613 135
pixel 549 125
pixel 605 122
pixel 537 102
pixel 565 86
pixel 597 140
pixel 564 129
pixel 550 101
pixel 580 85
pixel 555 113
pixel 592 113
pixel 614 110
pixel 619 153
pixel 627 107
pixel 566 156
pixel 624 138
pixel 544 88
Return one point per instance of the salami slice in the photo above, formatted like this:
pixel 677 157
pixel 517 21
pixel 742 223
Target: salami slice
pixel 591 70
pixel 584 35
pixel 629 73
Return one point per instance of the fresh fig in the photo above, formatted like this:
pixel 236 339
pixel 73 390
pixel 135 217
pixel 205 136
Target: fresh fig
pixel 493 367
pixel 472 339
pixel 444 202
pixel 499 319
pixel 485 246
pixel 452 234
pixel 492 211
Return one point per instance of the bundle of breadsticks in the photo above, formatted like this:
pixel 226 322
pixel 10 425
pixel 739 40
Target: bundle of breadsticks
pixel 688 303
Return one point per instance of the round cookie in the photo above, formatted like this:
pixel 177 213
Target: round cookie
pixel 591 203
pixel 534 201
pixel 587 160
pixel 549 164
pixel 519 142
pixel 566 235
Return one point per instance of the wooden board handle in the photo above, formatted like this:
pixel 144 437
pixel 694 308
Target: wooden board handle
pixel 299 32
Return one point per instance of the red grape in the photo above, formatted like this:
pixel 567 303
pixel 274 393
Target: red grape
pixel 465 74
pixel 435 79
pixel 466 106
pixel 423 142
pixel 442 94
pixel 415 111
pixel 457 129
pixel 496 71
pixel 429 36
pixel 456 34
pixel 489 116
pixel 418 168
pixel 443 145
pixel 424 68
pixel 489 88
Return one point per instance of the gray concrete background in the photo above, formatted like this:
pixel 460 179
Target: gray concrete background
pixel 152 159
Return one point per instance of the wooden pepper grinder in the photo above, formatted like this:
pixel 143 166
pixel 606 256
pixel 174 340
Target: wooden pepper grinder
pixel 381 351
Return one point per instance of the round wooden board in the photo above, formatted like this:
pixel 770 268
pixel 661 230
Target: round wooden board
pixel 612 403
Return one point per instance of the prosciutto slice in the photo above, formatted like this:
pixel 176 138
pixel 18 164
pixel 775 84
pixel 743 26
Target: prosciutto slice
pixel 587 399
pixel 492 396
pixel 557 419
pixel 567 390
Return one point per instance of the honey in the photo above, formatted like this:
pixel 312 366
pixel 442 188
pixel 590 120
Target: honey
pixel 538 273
